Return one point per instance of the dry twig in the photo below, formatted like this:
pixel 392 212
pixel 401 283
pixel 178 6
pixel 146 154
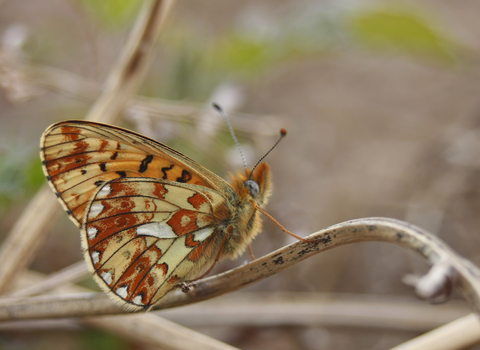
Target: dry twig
pixel 51 79
pixel 70 274
pixel 137 327
pixel 307 309
pixel 32 227
pixel 466 277
pixel 372 229
pixel 134 60
pixel 316 309
pixel 459 334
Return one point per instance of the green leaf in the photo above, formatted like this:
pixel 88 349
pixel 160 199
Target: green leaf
pixel 112 13
pixel 34 178
pixel 401 29
pixel 20 175
pixel 93 339
pixel 243 53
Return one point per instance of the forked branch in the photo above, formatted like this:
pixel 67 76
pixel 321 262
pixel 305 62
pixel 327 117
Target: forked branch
pixel 459 272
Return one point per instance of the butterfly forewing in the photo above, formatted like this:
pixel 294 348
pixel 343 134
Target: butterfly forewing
pixel 149 216
pixel 79 157
pixel 142 236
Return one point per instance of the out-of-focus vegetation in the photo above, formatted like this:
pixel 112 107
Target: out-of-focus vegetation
pixel 252 48
pixel 114 14
pixel 195 64
pixel 20 176
pixel 404 30
pixel 371 95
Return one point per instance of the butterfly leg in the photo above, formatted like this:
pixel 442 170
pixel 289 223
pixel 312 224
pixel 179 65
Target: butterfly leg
pixel 251 252
pixel 283 228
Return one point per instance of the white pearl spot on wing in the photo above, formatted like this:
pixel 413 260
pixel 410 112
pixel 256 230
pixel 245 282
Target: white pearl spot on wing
pixel 122 292
pixel 95 257
pixel 202 234
pixel 138 300
pixel 92 232
pixel 96 209
pixel 156 229
pixel 105 191
pixel 107 277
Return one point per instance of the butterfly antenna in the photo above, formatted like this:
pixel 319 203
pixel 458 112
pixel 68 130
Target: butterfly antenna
pixel 224 115
pixel 283 133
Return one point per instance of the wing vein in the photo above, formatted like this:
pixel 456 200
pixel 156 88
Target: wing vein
pixel 186 257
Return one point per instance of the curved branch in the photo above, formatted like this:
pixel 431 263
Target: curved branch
pixel 464 274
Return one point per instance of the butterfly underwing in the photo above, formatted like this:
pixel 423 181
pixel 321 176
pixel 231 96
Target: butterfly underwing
pixel 149 216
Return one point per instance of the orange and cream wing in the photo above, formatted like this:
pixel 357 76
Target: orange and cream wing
pixel 79 157
pixel 142 236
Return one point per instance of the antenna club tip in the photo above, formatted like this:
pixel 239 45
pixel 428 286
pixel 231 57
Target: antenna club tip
pixel 283 132
pixel 217 107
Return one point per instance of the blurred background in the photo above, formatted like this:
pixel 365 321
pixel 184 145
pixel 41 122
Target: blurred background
pixel 380 99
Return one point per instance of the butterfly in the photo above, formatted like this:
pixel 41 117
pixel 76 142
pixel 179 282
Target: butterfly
pixel 149 216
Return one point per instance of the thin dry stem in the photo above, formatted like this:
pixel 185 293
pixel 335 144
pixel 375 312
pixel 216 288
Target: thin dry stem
pixel 372 229
pixel 32 227
pixel 307 309
pixel 72 85
pixel 168 335
pixel 277 309
pixel 133 62
pixel 155 330
pixel 459 334
pixel 70 274
pixel 27 235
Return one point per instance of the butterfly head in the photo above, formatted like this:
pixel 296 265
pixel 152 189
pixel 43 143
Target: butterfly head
pixel 256 185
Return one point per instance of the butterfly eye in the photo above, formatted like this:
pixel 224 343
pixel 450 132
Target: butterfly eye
pixel 252 187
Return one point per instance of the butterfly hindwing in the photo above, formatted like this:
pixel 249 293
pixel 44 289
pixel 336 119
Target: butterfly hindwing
pixel 79 157
pixel 142 236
